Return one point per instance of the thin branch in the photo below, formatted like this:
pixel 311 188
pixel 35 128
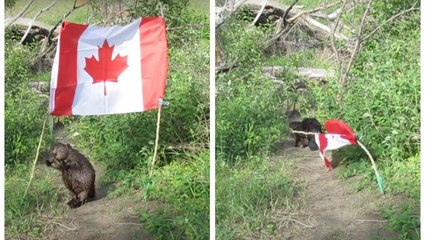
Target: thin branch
pixel 35 17
pixel 45 49
pixel 137 224
pixel 371 220
pixel 157 138
pixel 289 218
pixel 332 16
pixel 106 20
pixel 344 75
pixel 388 21
pixel 306 133
pixel 283 25
pixel 258 14
pixel 278 34
pixel 333 38
pixel 22 12
pixel 68 228
pixel 288 11
pixel 75 7
pixel 306 226
pixel 312 22
pixel 35 159
pixel 106 8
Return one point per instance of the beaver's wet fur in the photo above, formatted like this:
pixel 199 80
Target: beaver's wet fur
pixel 78 174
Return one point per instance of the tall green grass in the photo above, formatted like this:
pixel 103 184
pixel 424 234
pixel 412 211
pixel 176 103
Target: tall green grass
pixel 23 217
pixel 247 195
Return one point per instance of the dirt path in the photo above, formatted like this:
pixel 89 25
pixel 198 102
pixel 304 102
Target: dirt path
pixel 103 218
pixel 331 209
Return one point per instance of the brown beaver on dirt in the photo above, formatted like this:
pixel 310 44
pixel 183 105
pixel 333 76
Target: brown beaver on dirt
pixel 78 174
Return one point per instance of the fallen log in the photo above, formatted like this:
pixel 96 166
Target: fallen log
pixel 274 11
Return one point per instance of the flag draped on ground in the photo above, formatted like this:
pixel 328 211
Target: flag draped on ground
pixel 339 135
pixel 109 70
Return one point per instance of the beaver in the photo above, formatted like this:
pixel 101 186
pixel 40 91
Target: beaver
pixel 306 125
pixel 311 125
pixel 295 123
pixel 300 139
pixel 78 174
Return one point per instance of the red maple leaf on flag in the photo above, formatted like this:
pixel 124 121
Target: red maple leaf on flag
pixel 106 69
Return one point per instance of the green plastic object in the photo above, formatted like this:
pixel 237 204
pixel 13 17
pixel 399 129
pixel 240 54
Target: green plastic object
pixel 380 183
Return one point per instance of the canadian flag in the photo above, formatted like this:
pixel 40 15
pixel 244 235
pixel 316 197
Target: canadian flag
pixel 339 135
pixel 109 70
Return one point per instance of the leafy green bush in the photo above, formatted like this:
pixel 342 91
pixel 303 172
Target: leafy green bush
pixel 387 120
pixel 249 115
pixel 249 120
pixel 406 221
pixel 187 216
pixel 185 25
pixel 24 109
pixel 382 104
pixel 404 177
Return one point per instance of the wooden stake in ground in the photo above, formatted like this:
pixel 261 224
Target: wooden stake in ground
pixel 157 137
pixel 378 177
pixel 161 102
pixel 35 160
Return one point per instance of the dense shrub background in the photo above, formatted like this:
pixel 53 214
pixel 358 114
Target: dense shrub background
pixel 387 120
pixel 249 116
pixel 249 119
pixel 24 109
pixel 382 104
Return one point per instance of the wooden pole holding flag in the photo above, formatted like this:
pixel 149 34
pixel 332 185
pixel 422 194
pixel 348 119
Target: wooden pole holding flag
pixel 35 160
pixel 161 103
pixel 306 133
pixel 378 177
pixel 157 137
